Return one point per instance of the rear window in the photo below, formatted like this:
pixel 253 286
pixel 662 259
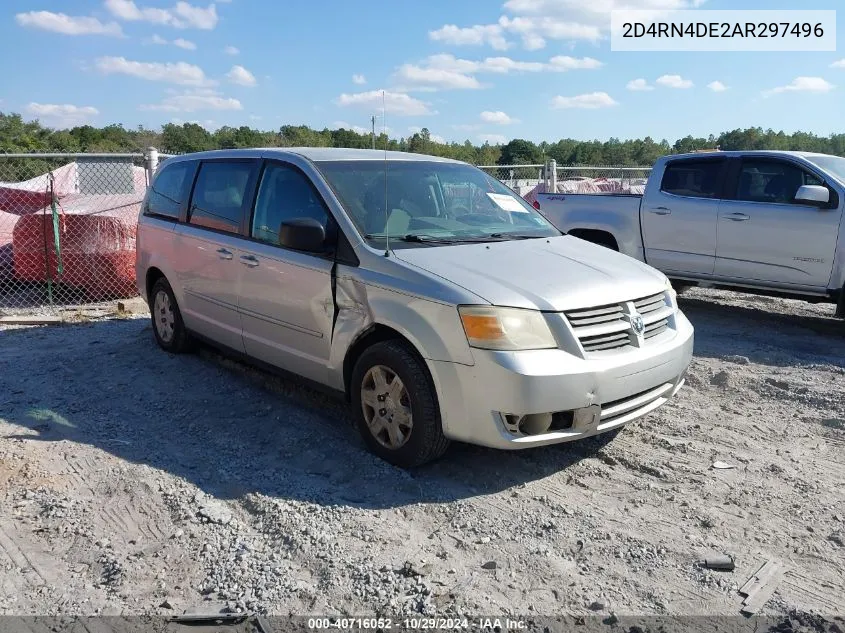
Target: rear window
pixel 170 189
pixel 219 195
pixel 693 178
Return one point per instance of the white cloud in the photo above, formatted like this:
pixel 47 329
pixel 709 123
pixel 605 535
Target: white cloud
pixel 674 81
pixel 639 85
pixel 359 80
pixel 562 63
pixel 171 72
pixel 445 72
pixel 61 115
pixel 536 21
pixel 498 117
pixel 231 50
pixel 181 16
pixel 477 35
pixel 68 25
pixel 178 42
pixel 534 31
pixel 417 78
pixel 838 64
pixel 589 101
pixel 194 102
pixel 241 76
pixel 803 84
pixel 397 103
pixel 184 44
pixel 493 139
pixel 717 86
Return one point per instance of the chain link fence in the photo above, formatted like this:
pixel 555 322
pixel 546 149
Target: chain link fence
pixel 67 230
pixel 520 178
pixel 527 180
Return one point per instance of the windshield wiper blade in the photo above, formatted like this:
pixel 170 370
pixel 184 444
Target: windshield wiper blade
pixel 457 239
pixel 517 236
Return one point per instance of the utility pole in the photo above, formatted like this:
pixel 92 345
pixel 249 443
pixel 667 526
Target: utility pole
pixel 373 119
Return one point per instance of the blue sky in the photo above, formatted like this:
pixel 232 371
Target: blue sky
pixel 465 69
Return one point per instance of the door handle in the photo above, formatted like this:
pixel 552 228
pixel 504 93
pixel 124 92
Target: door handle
pixel 224 254
pixel 249 260
pixel 661 211
pixel 738 217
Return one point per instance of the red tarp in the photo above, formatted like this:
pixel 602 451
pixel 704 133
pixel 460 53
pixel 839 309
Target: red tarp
pixel 96 233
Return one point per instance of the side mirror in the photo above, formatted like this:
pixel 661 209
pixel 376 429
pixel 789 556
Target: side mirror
pixel 303 234
pixel 814 195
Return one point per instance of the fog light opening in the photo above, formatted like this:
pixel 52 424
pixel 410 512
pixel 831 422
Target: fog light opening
pixel 536 423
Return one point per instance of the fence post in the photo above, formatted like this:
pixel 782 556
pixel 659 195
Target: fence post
pixel 152 163
pixel 552 176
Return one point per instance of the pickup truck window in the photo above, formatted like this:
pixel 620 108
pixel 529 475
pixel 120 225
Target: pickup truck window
pixel 775 182
pixel 693 178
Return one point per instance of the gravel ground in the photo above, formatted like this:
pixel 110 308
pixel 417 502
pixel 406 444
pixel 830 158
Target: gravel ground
pixel 135 482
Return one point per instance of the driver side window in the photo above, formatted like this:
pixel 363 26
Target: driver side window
pixel 771 181
pixel 285 193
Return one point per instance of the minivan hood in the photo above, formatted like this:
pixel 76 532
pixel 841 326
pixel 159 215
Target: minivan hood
pixel 552 274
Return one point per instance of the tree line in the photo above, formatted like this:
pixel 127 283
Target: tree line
pixel 18 135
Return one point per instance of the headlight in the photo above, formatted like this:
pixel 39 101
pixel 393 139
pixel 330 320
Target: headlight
pixel 489 327
pixel 670 289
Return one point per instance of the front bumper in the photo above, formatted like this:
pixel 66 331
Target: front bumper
pixel 480 403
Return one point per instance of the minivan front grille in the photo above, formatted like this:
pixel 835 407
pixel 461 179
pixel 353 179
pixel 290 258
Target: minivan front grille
pixel 609 327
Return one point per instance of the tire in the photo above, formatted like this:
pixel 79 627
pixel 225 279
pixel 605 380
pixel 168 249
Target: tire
pixel 169 331
pixel 386 430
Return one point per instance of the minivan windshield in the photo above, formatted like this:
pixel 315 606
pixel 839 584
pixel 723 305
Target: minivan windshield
pixel 431 202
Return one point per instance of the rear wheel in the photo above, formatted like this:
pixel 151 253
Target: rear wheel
pixel 396 406
pixel 168 327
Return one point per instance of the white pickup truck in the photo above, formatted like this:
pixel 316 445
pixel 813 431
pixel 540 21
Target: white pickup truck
pixel 763 222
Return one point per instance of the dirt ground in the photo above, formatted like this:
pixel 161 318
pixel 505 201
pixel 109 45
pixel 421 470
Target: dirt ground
pixel 135 482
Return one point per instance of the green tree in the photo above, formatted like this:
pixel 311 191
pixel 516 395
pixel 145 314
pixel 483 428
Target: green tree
pixel 520 152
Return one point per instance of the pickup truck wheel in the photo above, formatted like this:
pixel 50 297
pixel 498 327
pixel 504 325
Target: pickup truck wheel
pixel 168 327
pixel 395 405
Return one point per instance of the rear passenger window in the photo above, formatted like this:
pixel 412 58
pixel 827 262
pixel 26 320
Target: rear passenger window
pixel 219 195
pixel 693 178
pixel 170 189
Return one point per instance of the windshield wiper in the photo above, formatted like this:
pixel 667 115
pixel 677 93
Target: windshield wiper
pixel 518 236
pixel 430 239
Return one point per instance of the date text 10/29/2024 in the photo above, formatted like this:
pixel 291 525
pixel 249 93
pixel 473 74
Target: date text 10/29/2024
pixel 417 624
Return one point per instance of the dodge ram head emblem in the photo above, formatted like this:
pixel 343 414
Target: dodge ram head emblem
pixel 637 325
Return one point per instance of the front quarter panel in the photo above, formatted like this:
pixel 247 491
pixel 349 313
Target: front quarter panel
pixel 366 299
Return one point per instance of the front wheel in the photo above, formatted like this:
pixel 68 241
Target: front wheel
pixel 396 407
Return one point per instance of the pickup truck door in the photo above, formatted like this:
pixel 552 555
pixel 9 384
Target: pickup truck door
pixel 765 236
pixel 678 216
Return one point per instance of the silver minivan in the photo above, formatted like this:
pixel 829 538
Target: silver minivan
pixel 438 301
